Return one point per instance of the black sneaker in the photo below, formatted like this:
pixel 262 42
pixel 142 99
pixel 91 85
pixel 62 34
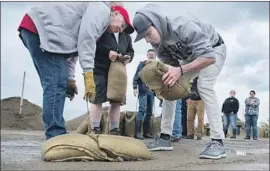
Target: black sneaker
pixel 247 138
pixel 96 130
pixel 147 135
pixel 199 138
pixel 175 139
pixel 190 137
pixel 115 131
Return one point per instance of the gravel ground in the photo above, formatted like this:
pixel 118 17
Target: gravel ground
pixel 20 150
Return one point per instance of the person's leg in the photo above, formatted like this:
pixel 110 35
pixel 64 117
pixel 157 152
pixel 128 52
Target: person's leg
pixel 206 82
pixel 149 113
pixel 163 142
pixel 254 123
pixel 114 118
pixel 96 106
pixel 140 115
pixel 232 118
pixel 226 122
pixel 184 118
pixel 191 114
pixel 248 126
pixel 200 112
pixel 53 73
pixel 177 126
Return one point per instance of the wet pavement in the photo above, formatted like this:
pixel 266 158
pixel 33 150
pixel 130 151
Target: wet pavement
pixel 20 150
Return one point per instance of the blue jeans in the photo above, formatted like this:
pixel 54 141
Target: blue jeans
pixel 177 126
pixel 251 121
pixel 230 119
pixel 52 70
pixel 146 102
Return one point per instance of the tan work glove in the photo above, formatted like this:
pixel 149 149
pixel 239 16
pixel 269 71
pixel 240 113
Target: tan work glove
pixel 71 89
pixel 90 87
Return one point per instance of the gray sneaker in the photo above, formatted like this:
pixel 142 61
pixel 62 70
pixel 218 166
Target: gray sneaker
pixel 159 145
pixel 214 150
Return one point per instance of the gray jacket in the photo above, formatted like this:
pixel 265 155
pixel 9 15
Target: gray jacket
pixel 182 38
pixel 72 28
pixel 252 106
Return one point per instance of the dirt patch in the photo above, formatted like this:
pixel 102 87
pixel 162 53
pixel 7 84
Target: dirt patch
pixel 30 119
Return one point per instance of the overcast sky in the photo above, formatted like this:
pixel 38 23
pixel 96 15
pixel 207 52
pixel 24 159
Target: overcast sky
pixel 244 27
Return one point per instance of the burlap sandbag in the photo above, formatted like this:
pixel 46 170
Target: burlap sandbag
pixel 104 123
pixel 122 122
pixel 83 128
pixel 128 148
pixel 130 124
pixel 72 146
pixel 152 74
pixel 117 82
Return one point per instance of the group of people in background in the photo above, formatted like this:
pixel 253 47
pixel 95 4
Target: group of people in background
pixel 230 110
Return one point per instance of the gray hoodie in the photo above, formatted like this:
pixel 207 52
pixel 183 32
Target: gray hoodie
pixel 182 38
pixel 71 28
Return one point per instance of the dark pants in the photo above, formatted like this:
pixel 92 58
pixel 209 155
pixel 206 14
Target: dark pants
pixel 145 108
pixel 251 121
pixel 184 117
pixel 52 70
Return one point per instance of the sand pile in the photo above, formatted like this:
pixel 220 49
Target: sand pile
pixel 31 118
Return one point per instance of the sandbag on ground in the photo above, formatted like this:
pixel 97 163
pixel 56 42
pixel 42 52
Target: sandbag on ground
pixel 94 147
pixel 83 128
pixel 130 123
pixel 127 148
pixel 72 146
pixel 152 74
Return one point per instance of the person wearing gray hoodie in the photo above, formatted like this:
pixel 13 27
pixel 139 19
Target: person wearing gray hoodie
pixel 189 47
pixel 56 35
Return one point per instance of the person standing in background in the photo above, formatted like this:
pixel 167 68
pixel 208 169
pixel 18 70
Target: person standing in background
pixel 230 109
pixel 177 126
pixel 146 100
pixel 195 106
pixel 184 117
pixel 251 114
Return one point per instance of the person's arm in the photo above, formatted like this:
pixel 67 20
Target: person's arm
pixel 247 102
pixel 256 102
pixel 71 67
pixel 200 45
pixel 237 106
pixel 222 109
pixel 136 77
pixel 94 22
pixel 130 50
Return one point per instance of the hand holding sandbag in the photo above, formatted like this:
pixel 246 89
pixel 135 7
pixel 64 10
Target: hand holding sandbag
pixel 117 80
pixel 152 75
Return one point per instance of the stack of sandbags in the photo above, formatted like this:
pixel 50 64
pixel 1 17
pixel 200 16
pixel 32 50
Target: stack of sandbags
pixel 90 147
pixel 127 124
pixel 152 75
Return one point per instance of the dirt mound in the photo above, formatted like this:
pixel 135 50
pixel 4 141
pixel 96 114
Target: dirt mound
pixel 31 118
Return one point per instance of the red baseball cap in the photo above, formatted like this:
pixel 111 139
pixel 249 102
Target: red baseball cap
pixel 124 13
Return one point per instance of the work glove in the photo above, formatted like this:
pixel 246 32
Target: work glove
pixel 71 89
pixel 90 87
